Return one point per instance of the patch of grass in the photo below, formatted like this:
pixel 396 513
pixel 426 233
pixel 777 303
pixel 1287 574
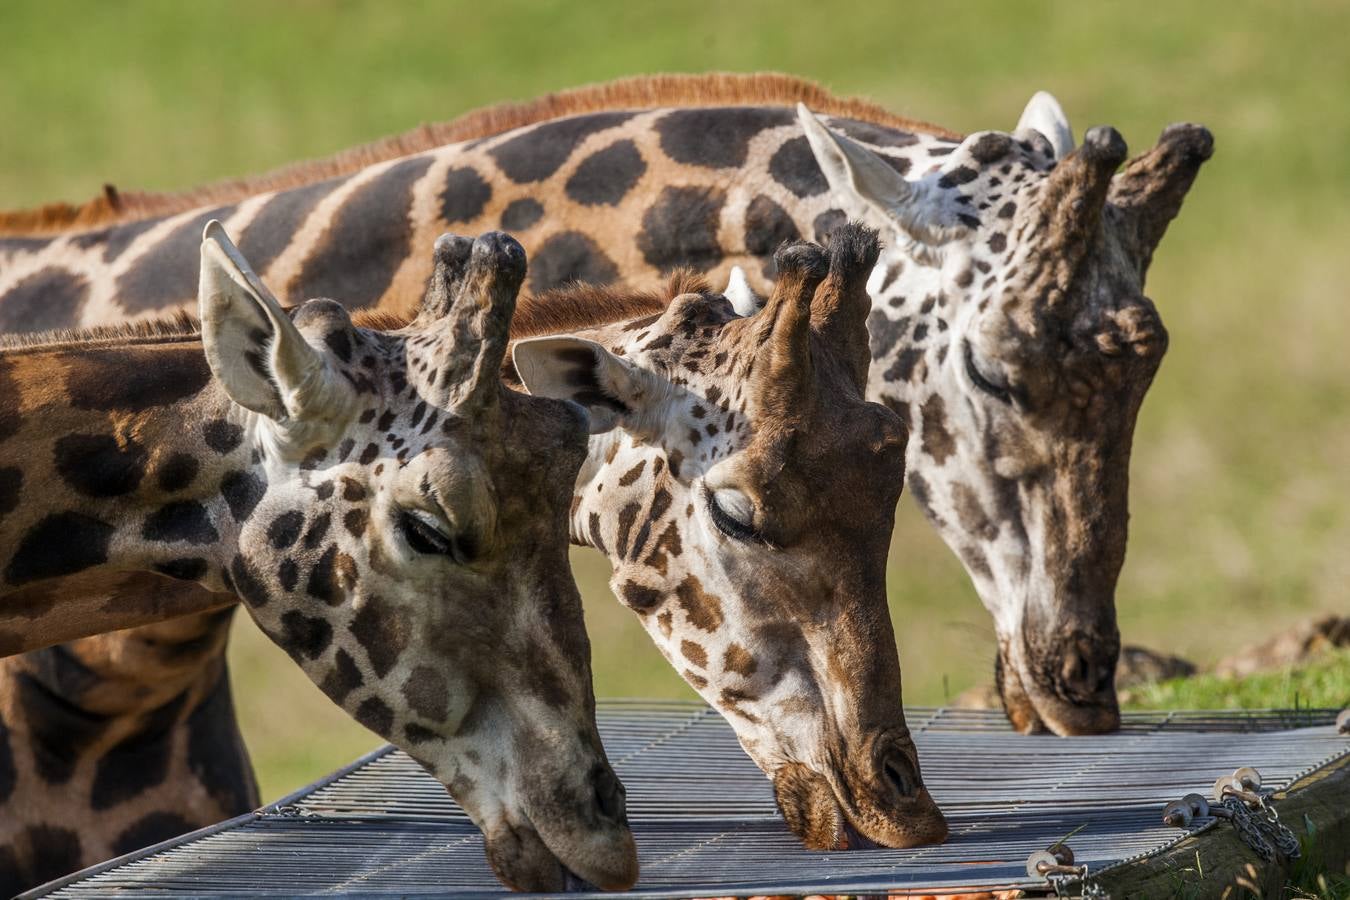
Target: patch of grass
pixel 1239 513
pixel 1311 878
pixel 1324 682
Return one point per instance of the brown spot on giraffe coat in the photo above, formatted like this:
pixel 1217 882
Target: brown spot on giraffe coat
pixel 701 609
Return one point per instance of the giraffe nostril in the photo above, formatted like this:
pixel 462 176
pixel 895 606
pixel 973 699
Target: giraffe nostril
pixel 900 774
pixel 609 794
pixel 1075 668
pixel 1084 671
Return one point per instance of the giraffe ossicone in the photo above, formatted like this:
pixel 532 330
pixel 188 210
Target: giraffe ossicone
pixel 1043 114
pixel 388 512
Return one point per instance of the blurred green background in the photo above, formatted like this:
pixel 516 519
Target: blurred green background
pixel 1241 473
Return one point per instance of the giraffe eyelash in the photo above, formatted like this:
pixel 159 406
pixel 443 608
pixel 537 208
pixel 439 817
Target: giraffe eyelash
pixel 1002 394
pixel 428 540
pixel 728 524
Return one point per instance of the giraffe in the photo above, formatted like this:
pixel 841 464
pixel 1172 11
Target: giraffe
pixel 1011 331
pixel 711 172
pixel 417 574
pixel 744 492
pixel 159 691
pixel 728 481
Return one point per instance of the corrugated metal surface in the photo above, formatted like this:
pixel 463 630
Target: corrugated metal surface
pixel 705 820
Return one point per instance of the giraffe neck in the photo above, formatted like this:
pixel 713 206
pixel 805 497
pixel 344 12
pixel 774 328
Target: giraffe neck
pixel 617 194
pixel 119 461
pixel 134 731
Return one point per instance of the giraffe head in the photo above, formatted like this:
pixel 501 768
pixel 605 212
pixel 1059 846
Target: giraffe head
pixel 744 492
pixel 405 540
pixel 1010 329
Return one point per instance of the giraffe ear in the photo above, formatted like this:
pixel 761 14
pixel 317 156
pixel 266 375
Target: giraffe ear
pixel 858 178
pixel 1044 114
pixel 613 390
pixel 743 298
pixel 254 349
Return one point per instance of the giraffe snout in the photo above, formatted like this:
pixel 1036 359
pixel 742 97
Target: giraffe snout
pixel 610 797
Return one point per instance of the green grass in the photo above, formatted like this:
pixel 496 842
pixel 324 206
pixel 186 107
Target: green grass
pixel 1240 476
pixel 1322 683
pixel 1312 877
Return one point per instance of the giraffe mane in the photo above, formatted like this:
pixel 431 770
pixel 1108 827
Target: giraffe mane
pixel 569 308
pixel 178 325
pixel 642 92
pixel 172 327
pixel 578 306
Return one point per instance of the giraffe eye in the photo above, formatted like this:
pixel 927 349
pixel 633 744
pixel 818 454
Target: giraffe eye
pixel 428 539
pixel 733 514
pixel 998 392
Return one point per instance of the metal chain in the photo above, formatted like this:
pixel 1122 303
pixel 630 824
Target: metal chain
pixel 292 811
pixel 1248 828
pixel 1244 803
pixel 1086 887
pixel 1286 842
pixel 1094 890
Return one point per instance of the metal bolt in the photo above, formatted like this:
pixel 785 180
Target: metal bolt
pixel 1177 814
pixel 1180 813
pixel 1229 786
pixel 1044 864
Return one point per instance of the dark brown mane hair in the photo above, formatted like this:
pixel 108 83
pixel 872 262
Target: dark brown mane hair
pixel 562 310
pixel 578 306
pixel 173 327
pixel 644 92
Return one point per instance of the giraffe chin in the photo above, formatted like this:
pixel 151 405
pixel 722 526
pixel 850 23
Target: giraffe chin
pixel 821 822
pixel 521 861
pixel 1036 702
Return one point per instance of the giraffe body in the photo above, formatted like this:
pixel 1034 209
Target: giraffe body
pixel 388 513
pixel 135 733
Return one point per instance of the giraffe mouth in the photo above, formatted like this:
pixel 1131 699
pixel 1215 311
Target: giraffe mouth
pixel 853 839
pixel 575 884
pixel 1069 690
pixel 822 820
pixel 522 861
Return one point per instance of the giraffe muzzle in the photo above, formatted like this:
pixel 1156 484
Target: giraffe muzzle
pixel 599 856
pixel 1066 687
pixel 877 805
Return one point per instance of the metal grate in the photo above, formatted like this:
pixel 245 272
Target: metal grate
pixel 705 820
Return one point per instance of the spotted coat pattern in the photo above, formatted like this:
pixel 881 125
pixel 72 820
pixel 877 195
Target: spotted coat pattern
pixel 734 489
pixel 710 188
pixel 148 756
pixel 401 473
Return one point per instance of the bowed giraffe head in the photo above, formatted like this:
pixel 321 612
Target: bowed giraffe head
pixel 744 492
pixel 402 533
pixel 1010 329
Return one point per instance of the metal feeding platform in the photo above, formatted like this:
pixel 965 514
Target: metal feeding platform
pixel 705 820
